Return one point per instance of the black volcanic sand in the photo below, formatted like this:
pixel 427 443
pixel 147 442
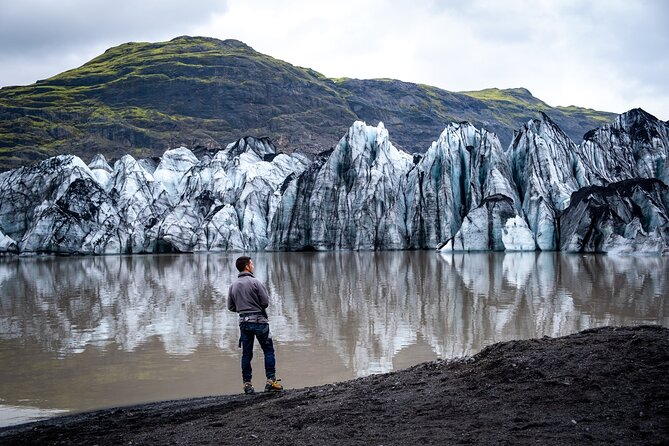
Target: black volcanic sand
pixel 600 386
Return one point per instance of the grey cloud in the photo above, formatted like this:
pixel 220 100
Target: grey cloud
pixel 617 40
pixel 38 26
pixel 628 41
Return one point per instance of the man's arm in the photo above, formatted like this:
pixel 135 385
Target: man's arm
pixel 231 301
pixel 263 295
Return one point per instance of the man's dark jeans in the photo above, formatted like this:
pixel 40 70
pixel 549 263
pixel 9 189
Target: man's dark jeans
pixel 250 331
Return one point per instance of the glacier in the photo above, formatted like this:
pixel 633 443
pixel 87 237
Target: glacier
pixel 349 199
pixel 464 193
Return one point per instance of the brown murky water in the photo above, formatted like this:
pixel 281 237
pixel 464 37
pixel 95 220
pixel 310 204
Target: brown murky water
pixel 90 332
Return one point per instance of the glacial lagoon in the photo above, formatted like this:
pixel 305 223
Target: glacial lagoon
pixel 79 333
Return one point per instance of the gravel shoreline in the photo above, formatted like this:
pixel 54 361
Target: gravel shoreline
pixel 607 385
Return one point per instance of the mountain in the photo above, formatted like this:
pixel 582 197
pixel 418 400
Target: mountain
pixel 465 193
pixel 144 98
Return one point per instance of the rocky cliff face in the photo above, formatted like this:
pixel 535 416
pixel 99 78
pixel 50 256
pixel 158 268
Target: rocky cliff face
pixel 608 194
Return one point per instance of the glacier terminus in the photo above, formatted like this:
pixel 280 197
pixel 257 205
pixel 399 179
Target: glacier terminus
pixel 466 192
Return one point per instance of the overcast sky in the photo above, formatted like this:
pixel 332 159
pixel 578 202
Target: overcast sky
pixel 609 55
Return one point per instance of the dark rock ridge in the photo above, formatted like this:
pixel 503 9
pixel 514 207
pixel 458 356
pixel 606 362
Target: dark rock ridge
pixel 202 93
pixel 465 193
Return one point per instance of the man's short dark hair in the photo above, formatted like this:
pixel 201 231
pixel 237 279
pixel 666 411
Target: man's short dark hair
pixel 242 262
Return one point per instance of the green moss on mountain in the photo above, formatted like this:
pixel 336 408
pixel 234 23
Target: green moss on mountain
pixel 512 106
pixel 203 92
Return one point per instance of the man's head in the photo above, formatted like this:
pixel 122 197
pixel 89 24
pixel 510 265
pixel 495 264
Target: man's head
pixel 244 263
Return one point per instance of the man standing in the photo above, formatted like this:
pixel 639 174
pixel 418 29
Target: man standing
pixel 249 297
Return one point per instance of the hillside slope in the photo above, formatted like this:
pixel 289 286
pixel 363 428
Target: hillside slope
pixel 204 93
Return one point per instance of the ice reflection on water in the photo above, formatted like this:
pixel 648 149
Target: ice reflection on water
pixel 79 333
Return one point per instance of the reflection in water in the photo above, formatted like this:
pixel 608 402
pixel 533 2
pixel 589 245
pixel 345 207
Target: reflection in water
pixel 144 323
pixel 18 415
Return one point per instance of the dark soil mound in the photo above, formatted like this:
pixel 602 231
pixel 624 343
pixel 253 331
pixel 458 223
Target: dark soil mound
pixel 601 386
